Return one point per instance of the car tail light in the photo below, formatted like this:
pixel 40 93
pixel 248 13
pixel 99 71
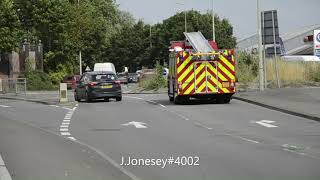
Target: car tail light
pixel 93 83
pixel 118 82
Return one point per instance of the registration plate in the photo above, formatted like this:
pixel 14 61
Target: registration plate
pixel 225 84
pixel 106 87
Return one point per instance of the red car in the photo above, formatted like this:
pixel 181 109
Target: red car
pixel 71 81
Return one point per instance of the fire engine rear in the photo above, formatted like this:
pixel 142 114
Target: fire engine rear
pixel 197 69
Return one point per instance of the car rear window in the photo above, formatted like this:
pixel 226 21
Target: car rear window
pixel 103 77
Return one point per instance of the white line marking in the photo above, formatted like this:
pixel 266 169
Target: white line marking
pixel 72 138
pixel 138 125
pixel 163 106
pixel 64 130
pixel 302 154
pixel 4 173
pixel 266 123
pixel 65 134
pixel 243 138
pixel 54 106
pixel 64 126
pixel 203 126
pixel 66 108
pixel 65 123
pixel 66 120
pixel 4 106
pixel 77 105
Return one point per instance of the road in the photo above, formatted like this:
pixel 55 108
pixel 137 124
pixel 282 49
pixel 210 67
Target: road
pixel 231 141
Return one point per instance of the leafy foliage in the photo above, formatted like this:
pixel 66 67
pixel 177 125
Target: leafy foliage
pixel 9 27
pixel 157 81
pixel 37 80
pixel 98 29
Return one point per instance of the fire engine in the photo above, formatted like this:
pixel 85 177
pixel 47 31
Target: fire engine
pixel 197 69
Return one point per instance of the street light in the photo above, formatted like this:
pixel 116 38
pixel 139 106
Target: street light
pixel 80 58
pixel 213 28
pixel 185 15
pixel 261 73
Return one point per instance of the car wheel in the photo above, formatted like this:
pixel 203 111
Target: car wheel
pixel 76 98
pixel 119 98
pixel 87 97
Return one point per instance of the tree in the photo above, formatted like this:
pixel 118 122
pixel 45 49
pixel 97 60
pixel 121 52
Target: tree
pixel 10 33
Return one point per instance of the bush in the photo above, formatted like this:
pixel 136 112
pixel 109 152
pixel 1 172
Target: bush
pixel 37 80
pixel 247 67
pixel 157 81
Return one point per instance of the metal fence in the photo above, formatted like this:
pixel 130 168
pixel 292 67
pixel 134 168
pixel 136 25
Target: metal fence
pixel 13 86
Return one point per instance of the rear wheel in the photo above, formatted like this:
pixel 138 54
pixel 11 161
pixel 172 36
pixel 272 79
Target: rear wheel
pixel 76 98
pixel 119 98
pixel 223 100
pixel 87 97
pixel 227 100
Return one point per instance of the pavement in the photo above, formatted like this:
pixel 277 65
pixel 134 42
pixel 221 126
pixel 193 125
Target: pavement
pixel 303 102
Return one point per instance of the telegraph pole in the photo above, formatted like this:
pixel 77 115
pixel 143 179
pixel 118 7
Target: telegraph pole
pixel 80 58
pixel 213 23
pixel 261 68
pixel 185 16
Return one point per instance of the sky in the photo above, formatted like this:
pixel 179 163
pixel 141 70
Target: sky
pixel 242 14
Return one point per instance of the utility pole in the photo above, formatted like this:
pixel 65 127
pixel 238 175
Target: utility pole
pixel 185 16
pixel 80 58
pixel 213 28
pixel 261 68
pixel 150 36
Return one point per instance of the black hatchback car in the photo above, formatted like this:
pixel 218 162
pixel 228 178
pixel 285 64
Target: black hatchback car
pixel 98 85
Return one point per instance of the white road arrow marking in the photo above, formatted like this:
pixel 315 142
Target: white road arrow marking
pixel 138 125
pixel 266 123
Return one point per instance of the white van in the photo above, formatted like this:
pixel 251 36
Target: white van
pixel 104 67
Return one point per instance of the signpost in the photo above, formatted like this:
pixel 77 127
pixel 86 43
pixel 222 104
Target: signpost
pixel 270 36
pixel 316 41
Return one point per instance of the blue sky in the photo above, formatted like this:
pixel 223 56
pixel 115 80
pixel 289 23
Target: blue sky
pixel 292 14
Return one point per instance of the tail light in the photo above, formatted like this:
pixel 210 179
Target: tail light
pixel 93 83
pixel 232 84
pixel 118 82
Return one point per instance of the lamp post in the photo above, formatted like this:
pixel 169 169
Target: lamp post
pixel 80 57
pixel 213 23
pixel 261 73
pixel 185 16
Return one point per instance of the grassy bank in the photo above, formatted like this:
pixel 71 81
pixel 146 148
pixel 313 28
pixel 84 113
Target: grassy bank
pixel 291 74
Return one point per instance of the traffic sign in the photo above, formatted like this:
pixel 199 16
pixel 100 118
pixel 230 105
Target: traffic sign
pixel 316 41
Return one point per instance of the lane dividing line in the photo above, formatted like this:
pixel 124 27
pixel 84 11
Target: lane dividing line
pixel 4 106
pixel 153 102
pixel 203 126
pixel 243 138
pixel 162 105
pixel 64 127
pixel 4 173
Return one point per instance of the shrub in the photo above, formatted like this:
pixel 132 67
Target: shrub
pixel 156 82
pixel 37 80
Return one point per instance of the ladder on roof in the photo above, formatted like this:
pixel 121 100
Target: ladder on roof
pixel 199 42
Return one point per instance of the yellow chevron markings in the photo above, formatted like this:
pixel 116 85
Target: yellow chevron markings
pixel 218 82
pixel 186 72
pixel 226 62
